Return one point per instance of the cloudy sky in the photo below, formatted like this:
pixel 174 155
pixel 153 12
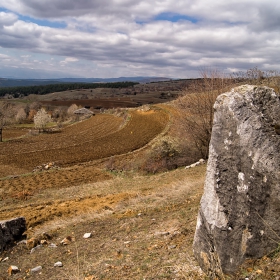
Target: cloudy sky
pixel 113 38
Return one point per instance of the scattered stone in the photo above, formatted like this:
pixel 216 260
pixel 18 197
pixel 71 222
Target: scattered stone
pixel 239 210
pixel 67 240
pixel 35 249
pixel 22 242
pixel 163 233
pixel 87 235
pixel 11 231
pixel 200 162
pixel 5 259
pixel 13 270
pixel 44 242
pixel 84 111
pixel 45 166
pixel 36 269
pixel 58 264
pixel 32 243
pixel 172 247
pixel 52 245
pixel 45 236
pixel 174 234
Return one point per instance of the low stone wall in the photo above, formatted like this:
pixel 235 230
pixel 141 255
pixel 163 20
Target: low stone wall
pixel 11 231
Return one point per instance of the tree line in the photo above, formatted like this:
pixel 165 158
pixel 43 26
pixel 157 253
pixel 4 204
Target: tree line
pixel 45 89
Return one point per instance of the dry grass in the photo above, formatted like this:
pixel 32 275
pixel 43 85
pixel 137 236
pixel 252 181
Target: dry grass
pixel 147 235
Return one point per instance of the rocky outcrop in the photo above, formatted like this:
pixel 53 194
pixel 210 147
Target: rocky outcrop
pixel 11 231
pixel 239 214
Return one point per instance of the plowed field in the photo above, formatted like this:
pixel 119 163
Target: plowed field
pixel 95 138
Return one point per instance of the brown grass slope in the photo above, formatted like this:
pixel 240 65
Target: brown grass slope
pixel 142 228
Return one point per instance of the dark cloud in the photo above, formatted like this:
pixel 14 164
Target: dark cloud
pixel 68 8
pixel 268 19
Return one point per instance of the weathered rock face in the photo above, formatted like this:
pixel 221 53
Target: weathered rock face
pixel 239 215
pixel 11 231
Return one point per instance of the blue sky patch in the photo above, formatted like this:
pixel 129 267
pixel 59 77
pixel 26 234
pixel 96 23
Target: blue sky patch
pixel 41 22
pixel 4 10
pixel 175 17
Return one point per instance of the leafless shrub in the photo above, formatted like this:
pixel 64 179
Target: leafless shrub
pixel 72 109
pixel 255 76
pixel 21 115
pixel 196 108
pixel 162 156
pixel 35 106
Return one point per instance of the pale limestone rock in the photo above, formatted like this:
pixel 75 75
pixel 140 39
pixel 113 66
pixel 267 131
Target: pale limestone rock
pixel 239 215
pixel 36 269
pixel 87 235
pixel 58 264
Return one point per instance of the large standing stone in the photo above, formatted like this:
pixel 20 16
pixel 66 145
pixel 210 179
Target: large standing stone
pixel 239 214
pixel 11 231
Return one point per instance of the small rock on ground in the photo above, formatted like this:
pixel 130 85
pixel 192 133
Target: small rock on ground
pixel 36 269
pixel 87 235
pixel 58 264
pixel 13 270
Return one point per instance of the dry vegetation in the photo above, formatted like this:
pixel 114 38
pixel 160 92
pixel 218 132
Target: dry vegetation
pixel 142 227
pixel 138 221
pixel 106 181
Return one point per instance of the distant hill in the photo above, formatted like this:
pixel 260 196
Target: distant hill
pixel 6 82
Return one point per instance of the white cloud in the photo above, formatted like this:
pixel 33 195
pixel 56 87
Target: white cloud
pixel 70 59
pixel 4 57
pixel 122 36
pixel 7 19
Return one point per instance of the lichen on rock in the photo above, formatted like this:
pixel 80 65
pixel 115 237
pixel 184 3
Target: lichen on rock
pixel 239 212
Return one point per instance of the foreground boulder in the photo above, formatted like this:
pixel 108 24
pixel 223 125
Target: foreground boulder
pixel 11 231
pixel 239 214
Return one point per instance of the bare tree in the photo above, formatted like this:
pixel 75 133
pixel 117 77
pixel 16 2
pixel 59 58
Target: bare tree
pixel 41 119
pixel 35 105
pixel 72 109
pixel 21 115
pixel 196 106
